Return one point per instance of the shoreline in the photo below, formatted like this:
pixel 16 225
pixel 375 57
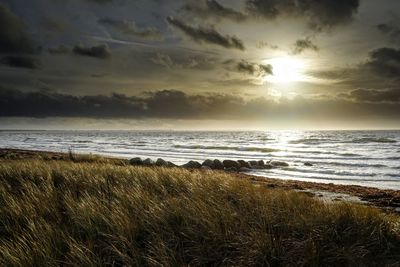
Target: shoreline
pixel 385 199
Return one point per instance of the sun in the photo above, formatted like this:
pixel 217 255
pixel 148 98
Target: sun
pixel 286 70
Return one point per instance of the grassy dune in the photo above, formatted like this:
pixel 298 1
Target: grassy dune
pixel 96 212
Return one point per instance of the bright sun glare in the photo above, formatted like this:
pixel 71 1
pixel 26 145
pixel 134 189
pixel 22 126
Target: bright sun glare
pixel 286 70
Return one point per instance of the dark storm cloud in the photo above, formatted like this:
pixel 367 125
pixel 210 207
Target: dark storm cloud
pixel 263 44
pixel 211 8
pixel 163 60
pixel 99 1
pixel 207 35
pixel 335 74
pixel 254 69
pixel 369 95
pixel 385 61
pixel 62 49
pixel 48 104
pixel 391 30
pixel 380 69
pixel 184 61
pixel 249 67
pixel 100 51
pixel 172 104
pixel 322 14
pixel 131 28
pixel 160 104
pixel 27 62
pixel 13 36
pixel 302 45
pixel 53 25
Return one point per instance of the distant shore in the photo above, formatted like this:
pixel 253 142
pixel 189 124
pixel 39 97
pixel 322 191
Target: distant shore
pixel 386 199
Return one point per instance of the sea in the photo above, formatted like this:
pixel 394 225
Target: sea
pixel 365 158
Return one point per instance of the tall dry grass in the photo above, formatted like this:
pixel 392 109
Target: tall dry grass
pixel 97 213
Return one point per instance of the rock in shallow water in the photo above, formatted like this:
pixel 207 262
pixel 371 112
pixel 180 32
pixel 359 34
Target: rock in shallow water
pixel 279 164
pixel 308 164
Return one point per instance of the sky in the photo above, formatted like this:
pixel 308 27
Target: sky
pixel 200 64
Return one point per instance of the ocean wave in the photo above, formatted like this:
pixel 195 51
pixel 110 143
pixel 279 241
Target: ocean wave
pixel 347 154
pixel 341 163
pixel 140 142
pixel 325 153
pixel 350 179
pixel 358 165
pixel 30 139
pixel 263 138
pixel 373 140
pixel 80 141
pixel 329 172
pixel 252 149
pixel 309 141
pixel 393 158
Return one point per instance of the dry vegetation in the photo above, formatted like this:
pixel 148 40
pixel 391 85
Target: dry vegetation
pixel 92 211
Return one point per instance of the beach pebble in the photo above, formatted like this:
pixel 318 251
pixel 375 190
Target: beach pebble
pixel 231 164
pixel 192 165
pixel 136 161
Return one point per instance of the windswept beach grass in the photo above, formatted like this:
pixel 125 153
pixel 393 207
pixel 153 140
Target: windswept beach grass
pixel 91 211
